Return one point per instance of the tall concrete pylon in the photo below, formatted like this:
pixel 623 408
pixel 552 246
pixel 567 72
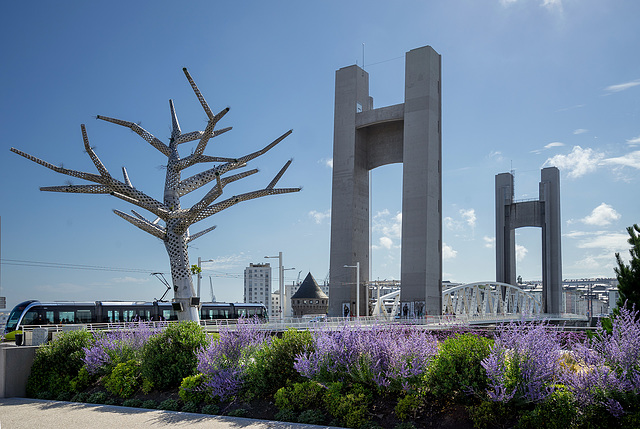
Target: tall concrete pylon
pixel 543 213
pixel 365 138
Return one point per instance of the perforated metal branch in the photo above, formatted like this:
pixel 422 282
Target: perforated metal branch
pixel 175 232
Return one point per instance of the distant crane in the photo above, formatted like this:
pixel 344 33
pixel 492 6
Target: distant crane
pixel 213 297
pixel 298 279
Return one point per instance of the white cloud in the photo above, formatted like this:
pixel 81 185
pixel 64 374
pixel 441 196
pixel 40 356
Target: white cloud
pixel 629 160
pixel 553 144
pixel 580 131
pixel 496 155
pixel 610 241
pixel 548 146
pixel 319 217
pixel 578 162
pixel 553 4
pixel 521 252
pixel 327 162
pixel 489 242
pixel 448 252
pixel 469 216
pixel 622 86
pixel 601 215
pixel 386 242
pixel 634 141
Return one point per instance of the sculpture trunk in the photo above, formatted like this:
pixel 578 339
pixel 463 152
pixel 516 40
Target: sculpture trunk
pixel 176 245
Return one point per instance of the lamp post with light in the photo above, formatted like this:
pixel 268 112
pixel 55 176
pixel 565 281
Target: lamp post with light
pixel 357 267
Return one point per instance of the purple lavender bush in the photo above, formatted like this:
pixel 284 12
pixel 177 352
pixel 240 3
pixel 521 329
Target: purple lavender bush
pixel 223 360
pixel 120 345
pixel 524 362
pixel 606 368
pixel 389 358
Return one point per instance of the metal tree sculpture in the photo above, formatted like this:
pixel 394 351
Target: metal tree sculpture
pixel 175 232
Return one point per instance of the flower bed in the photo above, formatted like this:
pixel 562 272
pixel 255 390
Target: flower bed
pixel 524 375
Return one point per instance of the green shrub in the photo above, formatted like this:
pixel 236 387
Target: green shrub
pixel 212 409
pixel 408 406
pixel 311 417
pixel 132 403
pixel 112 401
pixel 238 412
pixel 57 363
pixel 190 407
pixel 64 396
pixel 348 405
pixel 45 394
pixel 405 425
pixel 272 367
pixel 169 405
pixel 170 356
pixel 80 397
pixel 149 404
pixel 286 415
pixel 299 396
pixel 98 398
pixel 489 414
pixel 124 380
pixel 558 411
pixel 83 380
pixel 457 369
pixel 193 390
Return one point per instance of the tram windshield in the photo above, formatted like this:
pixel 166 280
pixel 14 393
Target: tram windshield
pixel 14 316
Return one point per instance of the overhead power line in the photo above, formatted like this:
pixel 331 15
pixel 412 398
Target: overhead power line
pixel 60 265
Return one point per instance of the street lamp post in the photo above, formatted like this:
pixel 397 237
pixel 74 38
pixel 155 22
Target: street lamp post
pixel 200 261
pixel 280 281
pixel 357 267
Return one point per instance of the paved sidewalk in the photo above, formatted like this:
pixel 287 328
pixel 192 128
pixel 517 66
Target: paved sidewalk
pixel 21 413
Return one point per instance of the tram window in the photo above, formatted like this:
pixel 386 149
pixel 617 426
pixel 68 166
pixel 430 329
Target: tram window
pixel 128 315
pixel 30 317
pixel 66 317
pixel 50 317
pixel 83 316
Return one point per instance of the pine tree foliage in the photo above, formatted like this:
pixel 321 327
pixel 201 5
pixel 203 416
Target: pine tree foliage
pixel 629 275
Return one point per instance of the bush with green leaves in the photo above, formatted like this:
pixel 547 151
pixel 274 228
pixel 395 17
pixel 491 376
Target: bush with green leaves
pixel 349 404
pixel 457 369
pixel 193 389
pixel 170 356
pixel 557 411
pixel 408 406
pixel 124 380
pixel 272 366
pixel 312 417
pixel 132 403
pixel 238 412
pixel 491 414
pixel 212 409
pixel 149 404
pixel 57 363
pixel 190 407
pixel 98 398
pixel 286 415
pixel 300 396
pixel 169 405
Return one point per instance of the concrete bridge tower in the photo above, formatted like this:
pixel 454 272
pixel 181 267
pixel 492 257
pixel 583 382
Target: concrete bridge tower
pixel 543 213
pixel 365 138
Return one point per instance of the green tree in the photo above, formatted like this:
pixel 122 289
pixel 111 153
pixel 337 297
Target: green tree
pixel 629 275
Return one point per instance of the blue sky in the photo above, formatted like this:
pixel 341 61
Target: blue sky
pixel 525 84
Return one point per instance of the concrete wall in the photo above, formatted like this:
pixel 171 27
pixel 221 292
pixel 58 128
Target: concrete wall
pixel 15 367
